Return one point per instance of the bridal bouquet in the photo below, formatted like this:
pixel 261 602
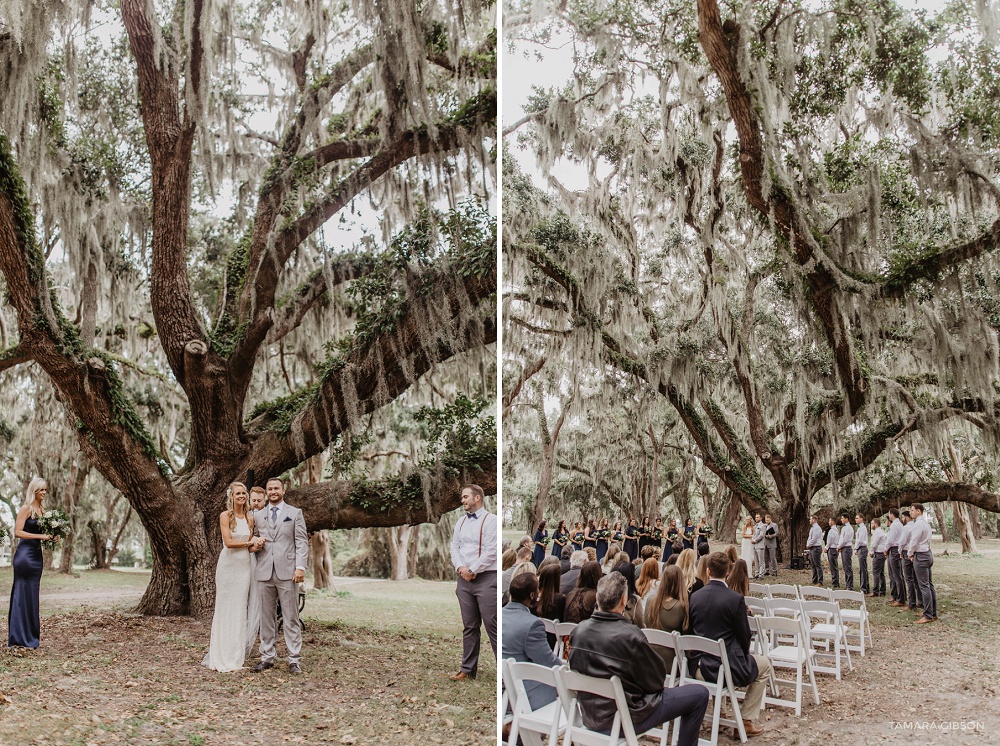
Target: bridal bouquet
pixel 56 523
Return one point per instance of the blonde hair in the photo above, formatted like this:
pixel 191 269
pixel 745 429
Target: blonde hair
pixel 231 507
pixel 523 569
pixel 34 485
pixel 686 563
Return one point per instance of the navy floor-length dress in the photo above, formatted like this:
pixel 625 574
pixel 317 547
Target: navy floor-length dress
pixel 23 620
pixel 539 554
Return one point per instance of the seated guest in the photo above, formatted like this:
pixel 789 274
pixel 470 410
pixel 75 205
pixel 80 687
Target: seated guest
pixel 738 579
pixel 701 570
pixel 609 559
pixel 686 562
pixel 521 569
pixel 649 578
pixel 721 614
pixel 550 603
pixel 633 607
pixel 550 560
pixel 521 556
pixel 672 560
pixel 607 645
pixel 568 582
pixel 668 610
pixel 524 637
pixel 526 541
pixel 702 551
pixel 582 600
pixel 591 554
pixel 622 557
pixel 733 553
pixel 509 557
pixel 567 552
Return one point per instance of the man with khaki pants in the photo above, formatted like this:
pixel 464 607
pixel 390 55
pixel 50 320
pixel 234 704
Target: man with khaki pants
pixel 721 614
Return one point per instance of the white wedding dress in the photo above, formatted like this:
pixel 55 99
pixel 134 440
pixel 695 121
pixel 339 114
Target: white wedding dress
pixel 228 647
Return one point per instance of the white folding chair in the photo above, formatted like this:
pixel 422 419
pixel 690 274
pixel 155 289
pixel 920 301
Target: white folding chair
pixel 774 631
pixel 665 640
pixel 550 629
pixel 533 725
pixel 723 687
pixel 508 717
pixel 563 630
pixel 783 590
pixel 759 589
pixel 807 593
pixel 756 605
pixel 570 685
pixel 858 616
pixel 830 629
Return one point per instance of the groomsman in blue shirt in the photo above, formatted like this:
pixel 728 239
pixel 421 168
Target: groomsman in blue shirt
pixel 896 586
pixel 923 560
pixel 879 545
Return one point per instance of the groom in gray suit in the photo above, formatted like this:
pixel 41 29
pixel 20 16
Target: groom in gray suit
pixel 281 563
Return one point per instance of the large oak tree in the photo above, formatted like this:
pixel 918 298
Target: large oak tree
pixel 193 163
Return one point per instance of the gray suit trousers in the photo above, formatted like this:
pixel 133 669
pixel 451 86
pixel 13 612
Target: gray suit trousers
pixel 845 560
pixel 478 602
pixel 831 555
pixel 271 592
pixel 863 583
pixel 922 564
pixel 912 597
pixel 758 554
pixel 896 585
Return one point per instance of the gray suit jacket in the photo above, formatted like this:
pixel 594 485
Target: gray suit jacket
pixel 772 542
pixel 524 641
pixel 758 535
pixel 287 545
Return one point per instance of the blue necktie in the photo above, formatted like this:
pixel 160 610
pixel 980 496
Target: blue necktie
pixel 274 516
pixel 473 516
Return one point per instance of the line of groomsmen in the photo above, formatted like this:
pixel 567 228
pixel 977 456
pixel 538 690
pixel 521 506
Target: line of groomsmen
pixel 906 547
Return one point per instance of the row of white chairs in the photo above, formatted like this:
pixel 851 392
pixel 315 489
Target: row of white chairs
pixel 564 717
pixel 855 616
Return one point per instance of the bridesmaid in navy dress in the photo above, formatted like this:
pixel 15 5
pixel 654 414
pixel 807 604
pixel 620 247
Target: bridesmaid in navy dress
pixel 23 622
pixel 560 538
pixel 602 540
pixel 540 536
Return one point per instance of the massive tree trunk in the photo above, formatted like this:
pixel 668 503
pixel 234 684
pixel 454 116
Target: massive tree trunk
pixel 321 561
pixel 71 497
pixel 963 527
pixel 942 523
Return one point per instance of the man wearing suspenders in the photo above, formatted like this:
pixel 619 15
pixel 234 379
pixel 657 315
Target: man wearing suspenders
pixel 474 555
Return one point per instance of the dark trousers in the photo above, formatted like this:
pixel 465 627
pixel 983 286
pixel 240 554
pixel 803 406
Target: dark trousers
pixel 687 702
pixel 896 584
pixel 845 559
pixel 478 601
pixel 922 564
pixel 814 559
pixel 878 574
pixel 863 569
pixel 913 598
pixel 831 555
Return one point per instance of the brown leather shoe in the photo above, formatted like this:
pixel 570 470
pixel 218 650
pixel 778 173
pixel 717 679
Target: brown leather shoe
pixel 751 729
pixel 925 620
pixel 461 676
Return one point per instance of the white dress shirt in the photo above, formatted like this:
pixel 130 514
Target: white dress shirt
pixel 920 538
pixel 879 541
pixel 832 538
pixel 846 536
pixel 895 534
pixel 815 536
pixel 904 539
pixel 861 537
pixel 474 543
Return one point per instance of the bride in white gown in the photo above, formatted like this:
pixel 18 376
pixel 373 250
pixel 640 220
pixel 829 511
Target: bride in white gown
pixel 228 647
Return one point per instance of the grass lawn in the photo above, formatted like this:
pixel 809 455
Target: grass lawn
pixel 375 656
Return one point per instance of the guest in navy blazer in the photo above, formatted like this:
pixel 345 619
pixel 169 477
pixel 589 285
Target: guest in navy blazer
pixel 721 614
pixel 523 637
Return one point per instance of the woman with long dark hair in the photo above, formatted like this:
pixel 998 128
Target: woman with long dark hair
pixel 582 600
pixel 633 607
pixel 541 535
pixel 602 540
pixel 560 538
pixel 550 603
